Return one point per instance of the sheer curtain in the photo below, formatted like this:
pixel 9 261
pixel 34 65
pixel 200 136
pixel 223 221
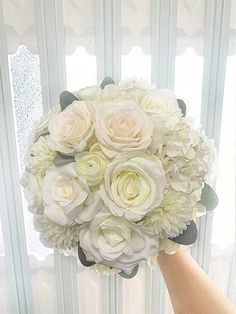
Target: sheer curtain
pixel 48 46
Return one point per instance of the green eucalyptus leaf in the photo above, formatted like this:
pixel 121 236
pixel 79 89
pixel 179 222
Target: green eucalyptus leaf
pixel 209 199
pixel 82 258
pixel 182 106
pixel 66 98
pixel 131 275
pixel 61 160
pixel 107 81
pixel 43 133
pixel 189 236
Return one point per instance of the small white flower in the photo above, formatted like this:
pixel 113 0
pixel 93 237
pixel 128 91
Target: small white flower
pixel 80 146
pixel 91 166
pixel 168 246
pixel 105 270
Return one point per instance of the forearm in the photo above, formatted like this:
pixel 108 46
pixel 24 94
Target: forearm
pixel 190 289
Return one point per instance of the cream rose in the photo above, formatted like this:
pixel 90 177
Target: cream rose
pixel 70 126
pixel 65 195
pixel 91 166
pixel 133 185
pixel 122 127
pixel 160 100
pixel 33 192
pixel 115 242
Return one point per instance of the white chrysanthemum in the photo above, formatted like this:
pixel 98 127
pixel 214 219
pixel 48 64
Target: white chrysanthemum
pixel 171 217
pixel 105 270
pixel 41 157
pixel 185 156
pixel 57 236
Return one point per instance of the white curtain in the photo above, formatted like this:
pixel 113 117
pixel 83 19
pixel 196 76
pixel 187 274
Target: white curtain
pixel 47 46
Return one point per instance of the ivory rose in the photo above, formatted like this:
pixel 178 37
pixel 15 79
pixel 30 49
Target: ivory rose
pixel 133 185
pixel 70 126
pixel 115 242
pixel 122 127
pixel 65 195
pixel 160 101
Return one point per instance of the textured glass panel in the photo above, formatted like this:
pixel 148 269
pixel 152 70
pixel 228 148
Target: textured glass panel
pixel 188 82
pixel 26 91
pixel 25 77
pixel 27 98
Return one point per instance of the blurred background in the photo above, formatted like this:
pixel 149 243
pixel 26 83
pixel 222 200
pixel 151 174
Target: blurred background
pixel 47 46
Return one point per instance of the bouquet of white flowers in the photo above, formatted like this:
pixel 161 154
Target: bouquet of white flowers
pixel 118 173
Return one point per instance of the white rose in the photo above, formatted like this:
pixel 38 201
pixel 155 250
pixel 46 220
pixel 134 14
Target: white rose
pixel 65 195
pixel 122 127
pixel 160 100
pixel 133 185
pixel 32 192
pixel 115 242
pixel 70 126
pixel 91 166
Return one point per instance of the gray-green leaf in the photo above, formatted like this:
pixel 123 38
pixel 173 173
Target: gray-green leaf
pixel 66 98
pixel 131 275
pixel 209 199
pixel 107 80
pixel 189 236
pixel 61 160
pixel 182 106
pixel 82 258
